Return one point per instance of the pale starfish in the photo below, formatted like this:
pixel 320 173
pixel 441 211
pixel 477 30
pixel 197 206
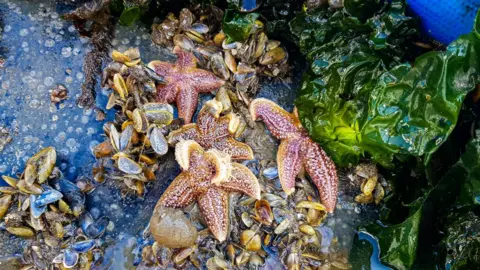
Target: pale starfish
pixel 297 151
pixel 183 82
pixel 208 177
pixel 213 131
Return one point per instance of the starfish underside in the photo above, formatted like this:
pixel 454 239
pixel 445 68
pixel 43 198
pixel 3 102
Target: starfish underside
pixel 214 131
pixel 208 177
pixel 183 82
pixel 297 151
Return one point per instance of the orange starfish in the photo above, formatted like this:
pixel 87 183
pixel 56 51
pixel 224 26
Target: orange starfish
pixel 297 151
pixel 183 82
pixel 213 131
pixel 208 178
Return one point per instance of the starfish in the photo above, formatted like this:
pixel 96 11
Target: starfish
pixel 183 82
pixel 297 151
pixel 213 131
pixel 208 177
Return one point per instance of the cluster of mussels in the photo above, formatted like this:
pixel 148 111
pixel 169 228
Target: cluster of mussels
pixel 136 139
pixel 242 64
pixel 49 212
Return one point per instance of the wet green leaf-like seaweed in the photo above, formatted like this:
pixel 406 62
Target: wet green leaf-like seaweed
pixel 360 96
pixel 398 243
pixel 238 26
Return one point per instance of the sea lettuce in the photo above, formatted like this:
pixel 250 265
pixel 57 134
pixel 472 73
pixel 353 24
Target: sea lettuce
pixel 398 243
pixel 445 217
pixel 238 26
pixel 413 110
pixel 361 96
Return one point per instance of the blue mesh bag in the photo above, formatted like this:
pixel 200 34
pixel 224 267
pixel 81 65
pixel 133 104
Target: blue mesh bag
pixel 445 20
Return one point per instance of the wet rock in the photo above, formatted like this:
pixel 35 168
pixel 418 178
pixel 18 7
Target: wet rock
pixel 171 228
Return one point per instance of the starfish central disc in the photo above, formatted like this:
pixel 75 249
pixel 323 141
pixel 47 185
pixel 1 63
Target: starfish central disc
pixel 214 131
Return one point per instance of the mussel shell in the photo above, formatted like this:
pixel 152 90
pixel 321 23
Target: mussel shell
pixel 148 107
pixel 230 61
pixel 114 137
pixel 21 231
pixel 5 202
pixel 8 190
pixel 132 53
pixel 183 42
pixel 97 228
pixel 219 67
pixel 263 212
pixel 58 258
pixel 126 137
pixel 83 246
pixel 33 189
pixel 45 162
pixel 153 75
pixel 270 173
pixel 35 210
pixel 261 43
pixel 158 113
pixel 128 166
pixel 140 122
pixel 86 220
pixel 30 173
pixel 229 46
pixel 185 18
pixel 223 97
pixel 120 57
pixel 199 28
pixel 10 180
pixel 73 196
pixel 47 197
pixel 158 142
pixel 70 258
pixel 195 36
pixel 219 38
pixel 273 56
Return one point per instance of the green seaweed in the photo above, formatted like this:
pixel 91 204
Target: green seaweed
pixel 238 26
pixel 361 98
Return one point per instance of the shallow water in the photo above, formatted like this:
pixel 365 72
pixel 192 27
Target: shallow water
pixel 41 51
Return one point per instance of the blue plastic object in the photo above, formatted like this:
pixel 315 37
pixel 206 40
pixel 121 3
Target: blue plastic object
pixel 445 20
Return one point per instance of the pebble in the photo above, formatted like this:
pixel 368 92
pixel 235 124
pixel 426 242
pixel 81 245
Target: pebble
pixel 172 229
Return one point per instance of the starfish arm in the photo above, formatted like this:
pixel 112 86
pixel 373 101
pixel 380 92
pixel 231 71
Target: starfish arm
pixel 161 68
pixel 185 59
pixel 187 100
pixel 236 149
pixel 186 132
pixel 323 174
pixel 242 180
pixel 179 193
pixel 214 206
pixel 166 93
pixel 189 154
pixel 289 162
pixel 281 123
pixel 205 81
